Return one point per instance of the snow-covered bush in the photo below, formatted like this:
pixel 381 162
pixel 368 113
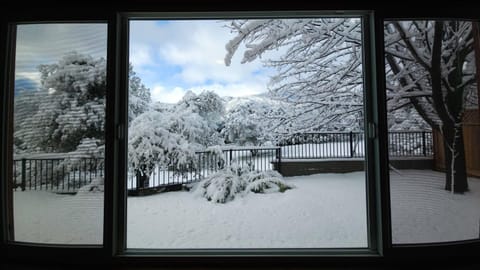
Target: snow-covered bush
pixel 225 185
pixel 265 182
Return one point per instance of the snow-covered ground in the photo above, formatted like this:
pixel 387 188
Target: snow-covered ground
pixel 324 210
pixel 423 212
pixel 44 217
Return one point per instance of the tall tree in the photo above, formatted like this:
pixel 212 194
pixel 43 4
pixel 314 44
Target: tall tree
pixel 432 68
pixel 429 67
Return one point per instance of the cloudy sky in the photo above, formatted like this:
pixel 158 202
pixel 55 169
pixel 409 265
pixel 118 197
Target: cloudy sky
pixel 46 43
pixel 172 57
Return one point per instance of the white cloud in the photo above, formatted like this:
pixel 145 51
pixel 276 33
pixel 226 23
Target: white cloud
pixel 159 93
pixel 194 52
pixel 31 75
pixel 141 56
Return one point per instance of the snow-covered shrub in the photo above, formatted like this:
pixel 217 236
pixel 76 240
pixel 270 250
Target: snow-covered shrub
pixel 225 185
pixel 221 187
pixel 265 182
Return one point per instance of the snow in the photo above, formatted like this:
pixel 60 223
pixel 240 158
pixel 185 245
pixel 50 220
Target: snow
pixel 45 217
pixel 323 210
pixel 423 212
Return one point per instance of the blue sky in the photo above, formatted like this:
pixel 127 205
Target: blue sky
pixel 172 57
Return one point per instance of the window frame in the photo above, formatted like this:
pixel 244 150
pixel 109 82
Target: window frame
pixel 113 249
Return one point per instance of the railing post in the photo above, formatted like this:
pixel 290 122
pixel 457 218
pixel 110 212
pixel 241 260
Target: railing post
pixel 351 143
pixel 279 160
pixel 230 157
pixel 24 173
pixel 424 140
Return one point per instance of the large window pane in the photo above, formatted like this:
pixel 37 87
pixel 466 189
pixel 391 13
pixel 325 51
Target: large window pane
pixel 59 120
pixel 433 116
pixel 246 134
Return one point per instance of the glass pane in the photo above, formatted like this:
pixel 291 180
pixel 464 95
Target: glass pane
pixel 59 119
pixel 246 134
pixel 433 116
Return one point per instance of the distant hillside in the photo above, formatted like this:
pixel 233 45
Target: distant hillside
pixel 26 84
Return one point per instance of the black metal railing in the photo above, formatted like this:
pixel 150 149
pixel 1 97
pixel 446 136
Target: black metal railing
pixel 410 143
pixel 207 163
pixel 69 174
pixel 323 145
pixel 63 175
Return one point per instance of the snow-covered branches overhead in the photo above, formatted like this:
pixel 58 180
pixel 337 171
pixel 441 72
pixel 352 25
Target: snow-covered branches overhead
pixel 319 70
pixel 409 53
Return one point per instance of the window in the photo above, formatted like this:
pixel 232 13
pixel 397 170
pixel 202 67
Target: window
pixel 227 150
pixel 433 119
pixel 58 133
pixel 395 228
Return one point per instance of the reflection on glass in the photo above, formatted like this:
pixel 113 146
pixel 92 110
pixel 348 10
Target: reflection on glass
pixel 59 119
pixel 432 95
pixel 227 150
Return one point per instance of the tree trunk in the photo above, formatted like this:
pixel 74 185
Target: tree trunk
pixel 142 178
pixel 455 159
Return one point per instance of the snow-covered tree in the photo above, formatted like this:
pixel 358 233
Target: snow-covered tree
pixel 162 139
pixel 210 108
pixel 170 137
pixel 319 72
pixel 431 67
pixel 139 97
pixel 70 105
pixel 242 126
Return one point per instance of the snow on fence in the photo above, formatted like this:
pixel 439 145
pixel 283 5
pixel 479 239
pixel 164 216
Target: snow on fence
pixel 69 174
